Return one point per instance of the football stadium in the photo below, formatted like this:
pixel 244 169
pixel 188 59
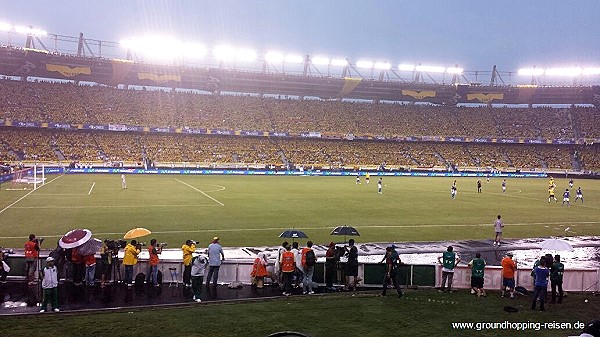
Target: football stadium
pixel 267 193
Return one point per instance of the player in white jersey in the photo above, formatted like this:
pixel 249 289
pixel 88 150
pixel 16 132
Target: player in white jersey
pixel 379 186
pixel 123 182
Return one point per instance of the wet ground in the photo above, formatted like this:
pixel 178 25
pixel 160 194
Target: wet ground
pixel 18 298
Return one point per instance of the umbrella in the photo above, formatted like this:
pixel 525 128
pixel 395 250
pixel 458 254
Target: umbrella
pixel 345 231
pixel 75 238
pixel 136 233
pixel 556 244
pixel 90 247
pixel 293 233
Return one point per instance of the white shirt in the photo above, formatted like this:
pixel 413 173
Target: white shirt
pixel 50 277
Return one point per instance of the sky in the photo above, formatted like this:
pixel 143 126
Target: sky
pixel 476 34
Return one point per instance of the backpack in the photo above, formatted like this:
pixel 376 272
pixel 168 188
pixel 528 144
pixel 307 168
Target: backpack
pixel 311 258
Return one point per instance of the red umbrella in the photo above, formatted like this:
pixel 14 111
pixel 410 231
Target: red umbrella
pixel 75 238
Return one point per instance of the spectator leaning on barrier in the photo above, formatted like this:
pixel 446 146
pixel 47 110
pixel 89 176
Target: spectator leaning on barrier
pixel 509 267
pixel 90 269
pixel 215 257
pixel 477 275
pixel 448 260
pixel 541 285
pixel 32 253
pixel 199 264
pixel 330 266
pixel 130 259
pixel 309 259
pixel 188 249
pixel 352 266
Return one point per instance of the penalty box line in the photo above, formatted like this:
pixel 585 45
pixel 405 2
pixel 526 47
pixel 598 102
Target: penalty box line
pixel 198 190
pixel 26 195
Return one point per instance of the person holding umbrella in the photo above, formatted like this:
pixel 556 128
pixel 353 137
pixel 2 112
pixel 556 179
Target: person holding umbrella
pixel 130 259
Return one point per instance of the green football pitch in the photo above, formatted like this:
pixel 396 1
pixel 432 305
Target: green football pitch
pixel 254 210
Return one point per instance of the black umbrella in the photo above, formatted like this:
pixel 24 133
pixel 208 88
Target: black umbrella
pixel 293 233
pixel 345 231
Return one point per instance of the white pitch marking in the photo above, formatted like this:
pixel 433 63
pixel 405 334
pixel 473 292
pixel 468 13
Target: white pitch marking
pixel 23 197
pixel 108 206
pixel 91 188
pixel 206 195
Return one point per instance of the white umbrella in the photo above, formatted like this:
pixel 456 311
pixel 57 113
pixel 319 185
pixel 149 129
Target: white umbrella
pixel 75 238
pixel 556 244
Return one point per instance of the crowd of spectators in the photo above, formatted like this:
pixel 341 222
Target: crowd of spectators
pixel 45 102
pixel 84 104
pixel 27 144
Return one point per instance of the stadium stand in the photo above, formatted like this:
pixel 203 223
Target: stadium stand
pixel 46 102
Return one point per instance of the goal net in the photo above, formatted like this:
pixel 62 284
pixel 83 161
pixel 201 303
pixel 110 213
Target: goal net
pixel 26 179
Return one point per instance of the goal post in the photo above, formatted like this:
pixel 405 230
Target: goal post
pixel 27 179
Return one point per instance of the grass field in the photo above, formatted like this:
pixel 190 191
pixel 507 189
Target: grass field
pixel 419 313
pixel 250 211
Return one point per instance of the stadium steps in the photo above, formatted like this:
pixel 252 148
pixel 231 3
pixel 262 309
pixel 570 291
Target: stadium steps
pixel 58 153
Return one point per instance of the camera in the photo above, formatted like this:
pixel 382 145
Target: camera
pixel 39 240
pixel 162 244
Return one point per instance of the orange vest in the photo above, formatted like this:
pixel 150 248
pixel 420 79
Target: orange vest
pixel 304 251
pixel 30 250
pixel 287 262
pixel 153 260
pixel 259 269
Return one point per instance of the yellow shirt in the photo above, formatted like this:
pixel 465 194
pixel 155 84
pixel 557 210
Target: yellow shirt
pixel 187 253
pixel 131 254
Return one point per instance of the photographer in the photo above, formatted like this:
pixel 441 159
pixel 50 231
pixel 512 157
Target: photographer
pixel 4 268
pixel 153 251
pixel 32 253
pixel 130 259
pixel 105 262
pixel 188 249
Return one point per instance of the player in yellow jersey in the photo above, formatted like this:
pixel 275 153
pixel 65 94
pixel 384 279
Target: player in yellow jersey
pixel 551 194
pixel 367 176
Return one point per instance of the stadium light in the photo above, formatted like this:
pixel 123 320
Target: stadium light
pixel 318 60
pixel 274 57
pixel 364 64
pixel 530 72
pixel 339 62
pixel 406 67
pixel 570 72
pixel 430 69
pixel 194 50
pixel 245 55
pixel 591 71
pixel 30 31
pixel 5 27
pixel 224 53
pixel 292 58
pixel 454 70
pixel 382 65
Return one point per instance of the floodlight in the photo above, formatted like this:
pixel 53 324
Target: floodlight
pixel 575 71
pixel 406 67
pixel 194 50
pixel 274 57
pixel 339 62
pixel 291 58
pixel 591 71
pixel 382 65
pixel 454 70
pixel 530 72
pixel 245 55
pixel 364 64
pixel 320 60
pixel 430 69
pixel 5 27
pixel 224 53
pixel 30 31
